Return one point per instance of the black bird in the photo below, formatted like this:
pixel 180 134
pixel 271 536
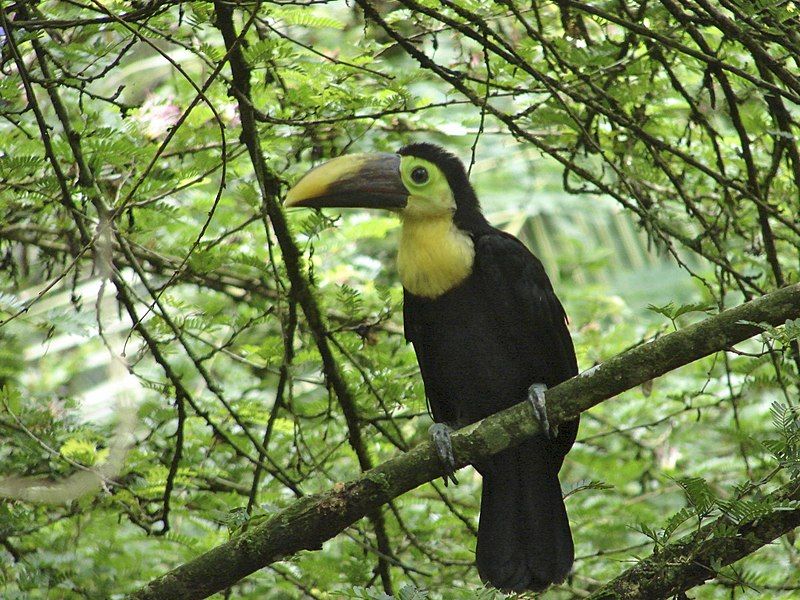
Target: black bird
pixel 488 331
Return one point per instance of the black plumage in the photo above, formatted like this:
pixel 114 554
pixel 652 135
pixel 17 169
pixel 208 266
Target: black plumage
pixel 480 346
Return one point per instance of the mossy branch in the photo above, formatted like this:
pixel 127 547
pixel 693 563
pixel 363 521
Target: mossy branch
pixel 698 557
pixel 310 521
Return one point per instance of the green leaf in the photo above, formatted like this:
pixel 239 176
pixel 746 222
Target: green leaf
pixel 82 451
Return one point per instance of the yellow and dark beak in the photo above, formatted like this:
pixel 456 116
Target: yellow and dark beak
pixel 352 181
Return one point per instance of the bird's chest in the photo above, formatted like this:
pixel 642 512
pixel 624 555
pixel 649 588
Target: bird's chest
pixel 462 324
pixel 465 356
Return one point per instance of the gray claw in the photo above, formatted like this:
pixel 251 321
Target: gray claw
pixel 440 438
pixel 536 398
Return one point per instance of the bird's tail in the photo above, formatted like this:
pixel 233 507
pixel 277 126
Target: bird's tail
pixel 524 541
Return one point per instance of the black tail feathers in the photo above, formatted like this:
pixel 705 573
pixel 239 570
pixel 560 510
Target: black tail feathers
pixel 524 541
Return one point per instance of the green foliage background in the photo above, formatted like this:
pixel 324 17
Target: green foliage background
pixel 655 186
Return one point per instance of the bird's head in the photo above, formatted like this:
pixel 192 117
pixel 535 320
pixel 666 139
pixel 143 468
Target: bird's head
pixel 421 181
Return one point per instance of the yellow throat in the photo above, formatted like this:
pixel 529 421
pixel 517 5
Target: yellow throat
pixel 434 255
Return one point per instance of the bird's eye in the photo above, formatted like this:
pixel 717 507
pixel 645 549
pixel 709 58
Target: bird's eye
pixel 419 175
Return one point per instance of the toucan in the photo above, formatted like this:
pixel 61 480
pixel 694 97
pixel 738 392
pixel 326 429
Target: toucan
pixel 488 332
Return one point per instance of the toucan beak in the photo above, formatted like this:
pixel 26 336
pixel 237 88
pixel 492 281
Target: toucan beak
pixel 353 181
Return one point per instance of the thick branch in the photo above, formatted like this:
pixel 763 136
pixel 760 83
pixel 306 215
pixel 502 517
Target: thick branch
pixel 698 557
pixel 310 521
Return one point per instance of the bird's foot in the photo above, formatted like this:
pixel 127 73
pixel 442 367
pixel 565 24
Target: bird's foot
pixel 536 398
pixel 440 438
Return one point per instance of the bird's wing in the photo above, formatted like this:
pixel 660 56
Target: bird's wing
pixel 524 540
pixel 523 297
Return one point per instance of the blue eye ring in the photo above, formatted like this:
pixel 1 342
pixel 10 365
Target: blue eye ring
pixel 420 175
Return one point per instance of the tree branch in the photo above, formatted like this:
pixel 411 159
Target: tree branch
pixel 698 557
pixel 310 521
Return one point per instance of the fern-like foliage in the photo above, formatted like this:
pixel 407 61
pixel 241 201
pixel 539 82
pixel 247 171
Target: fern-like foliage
pixel 786 448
